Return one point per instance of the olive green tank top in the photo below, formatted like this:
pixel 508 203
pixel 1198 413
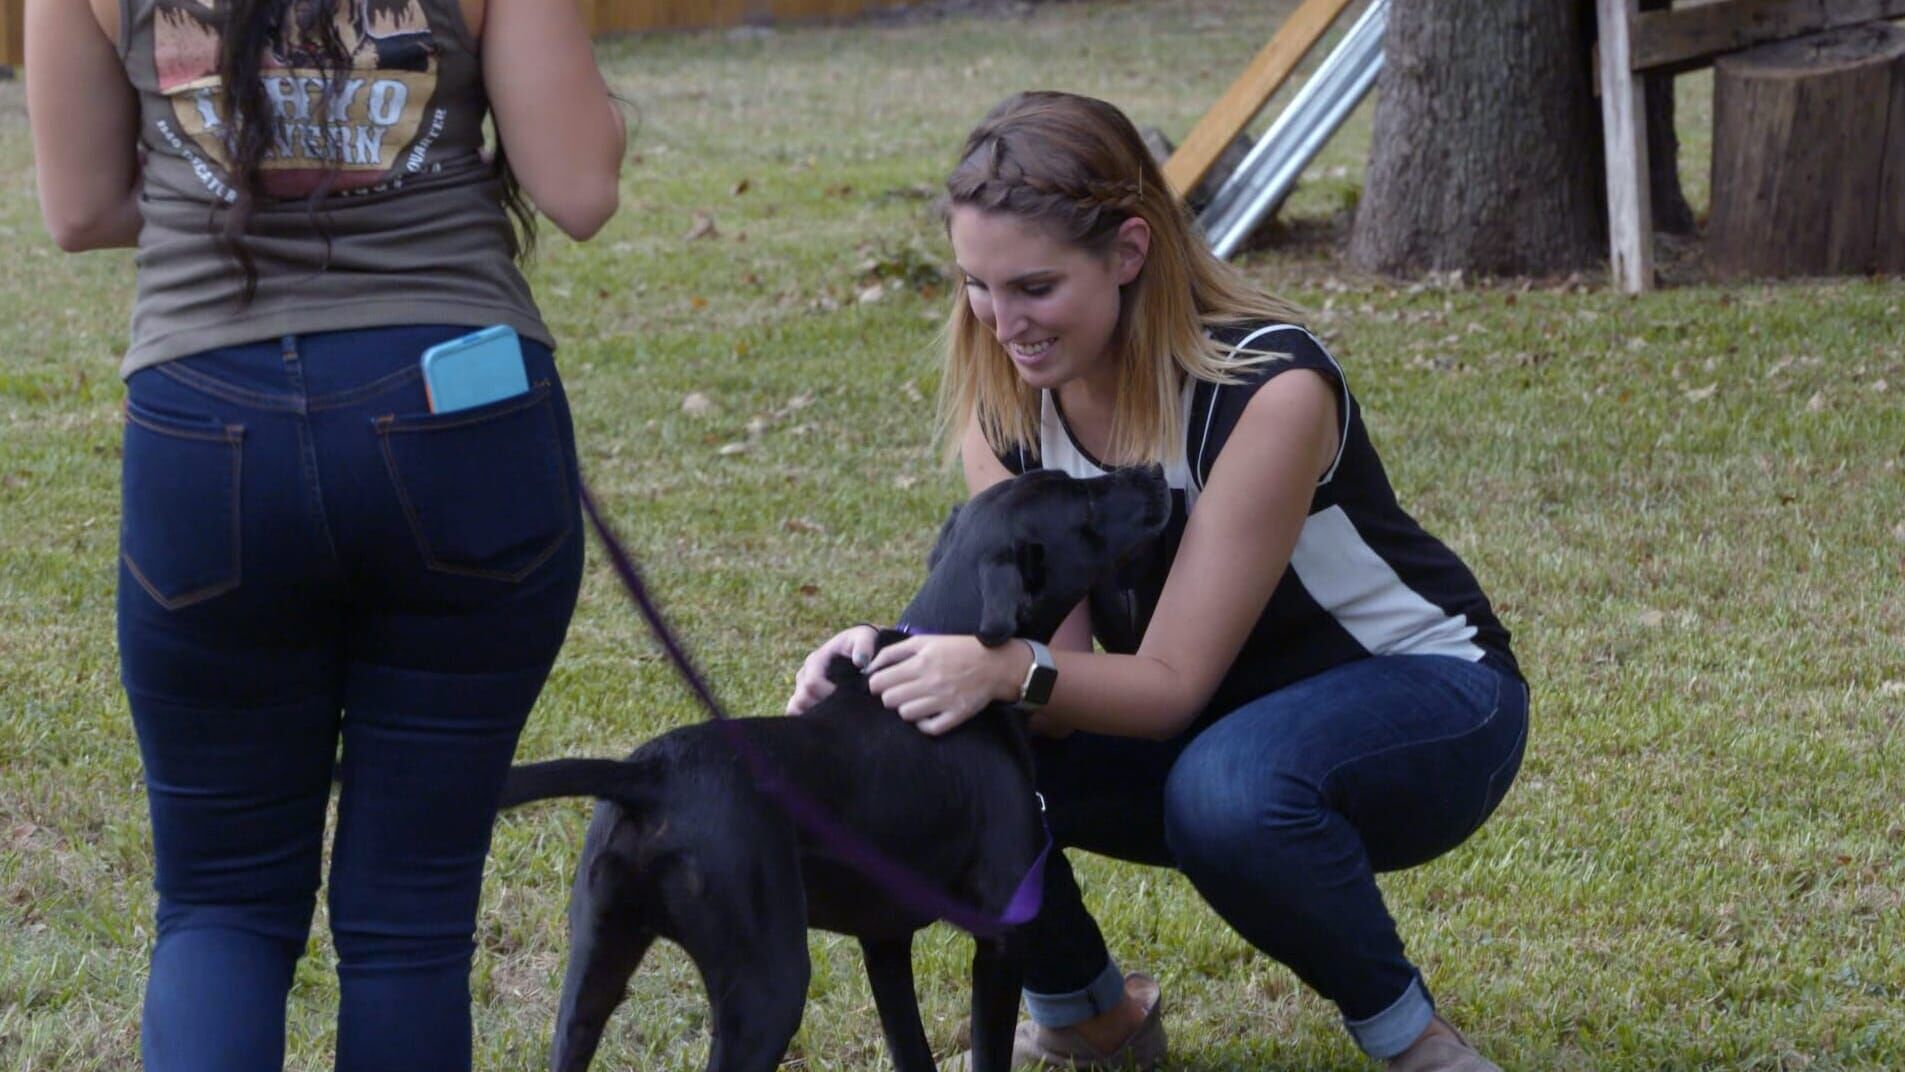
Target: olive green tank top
pixel 411 229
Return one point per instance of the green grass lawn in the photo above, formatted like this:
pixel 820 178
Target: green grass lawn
pixel 1688 507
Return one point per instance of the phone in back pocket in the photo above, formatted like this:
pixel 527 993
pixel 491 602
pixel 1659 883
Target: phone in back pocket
pixel 470 370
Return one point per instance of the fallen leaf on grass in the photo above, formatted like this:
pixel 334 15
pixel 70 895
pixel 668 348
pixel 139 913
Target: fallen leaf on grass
pixel 740 188
pixel 872 294
pixel 1651 619
pixel 801 524
pixel 808 590
pixel 732 448
pixel 702 227
pixel 696 404
pixel 1816 403
pixel 1701 394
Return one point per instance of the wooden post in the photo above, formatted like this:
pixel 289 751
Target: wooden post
pixel 1809 155
pixel 1246 96
pixel 12 36
pixel 1630 222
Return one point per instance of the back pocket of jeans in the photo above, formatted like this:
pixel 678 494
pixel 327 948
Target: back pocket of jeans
pixel 485 490
pixel 179 505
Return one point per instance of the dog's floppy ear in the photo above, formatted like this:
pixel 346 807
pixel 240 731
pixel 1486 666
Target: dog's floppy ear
pixel 939 541
pixel 1001 591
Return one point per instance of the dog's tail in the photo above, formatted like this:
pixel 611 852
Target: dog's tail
pixel 614 779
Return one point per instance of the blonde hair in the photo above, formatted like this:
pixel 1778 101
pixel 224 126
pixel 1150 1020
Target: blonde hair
pixel 1077 167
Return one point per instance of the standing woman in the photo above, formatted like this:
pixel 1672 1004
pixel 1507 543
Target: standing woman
pixel 311 559
pixel 1299 688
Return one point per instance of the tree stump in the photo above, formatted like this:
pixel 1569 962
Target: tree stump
pixel 1809 156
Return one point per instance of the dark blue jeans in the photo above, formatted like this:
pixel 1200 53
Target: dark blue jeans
pixel 1281 813
pixel 311 560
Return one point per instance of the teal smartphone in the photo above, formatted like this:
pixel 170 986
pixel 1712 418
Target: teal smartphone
pixel 471 370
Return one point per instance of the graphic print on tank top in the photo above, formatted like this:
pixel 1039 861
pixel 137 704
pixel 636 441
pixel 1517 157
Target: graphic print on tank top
pixel 361 137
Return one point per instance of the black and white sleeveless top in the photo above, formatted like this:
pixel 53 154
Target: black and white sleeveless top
pixel 1364 579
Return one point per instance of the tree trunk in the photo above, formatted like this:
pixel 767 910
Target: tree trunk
pixel 1671 212
pixel 1486 154
pixel 1809 155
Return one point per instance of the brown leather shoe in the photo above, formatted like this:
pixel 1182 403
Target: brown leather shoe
pixel 1064 1048
pixel 1034 1046
pixel 1441 1051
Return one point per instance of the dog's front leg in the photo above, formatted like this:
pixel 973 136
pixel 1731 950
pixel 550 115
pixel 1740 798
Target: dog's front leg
pixel 890 969
pixel 998 970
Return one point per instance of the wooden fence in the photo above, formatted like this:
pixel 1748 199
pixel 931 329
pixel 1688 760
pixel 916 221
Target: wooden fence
pixel 624 16
pixel 12 48
pixel 603 16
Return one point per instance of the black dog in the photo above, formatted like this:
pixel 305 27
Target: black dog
pixel 685 845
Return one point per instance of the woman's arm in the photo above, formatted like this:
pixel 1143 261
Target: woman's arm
pixel 85 119
pixel 1236 547
pixel 561 131
pixel 1235 550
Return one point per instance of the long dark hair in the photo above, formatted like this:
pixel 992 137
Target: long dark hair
pixel 246 28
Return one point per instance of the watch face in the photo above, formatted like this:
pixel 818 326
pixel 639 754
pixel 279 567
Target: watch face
pixel 1038 687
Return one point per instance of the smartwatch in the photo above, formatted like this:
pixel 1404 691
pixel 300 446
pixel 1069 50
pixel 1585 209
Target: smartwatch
pixel 1039 678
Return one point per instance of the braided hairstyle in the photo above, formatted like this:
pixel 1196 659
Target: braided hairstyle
pixel 1076 167
pixel 1073 164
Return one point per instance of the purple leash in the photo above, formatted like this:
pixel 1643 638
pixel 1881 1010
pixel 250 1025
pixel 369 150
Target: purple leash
pixel 900 882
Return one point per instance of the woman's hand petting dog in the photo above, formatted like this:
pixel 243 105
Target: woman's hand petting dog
pixel 938 682
pixel 810 683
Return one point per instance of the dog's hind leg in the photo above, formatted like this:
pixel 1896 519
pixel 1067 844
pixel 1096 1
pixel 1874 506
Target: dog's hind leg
pixel 740 913
pixel 890 969
pixel 597 982
pixel 998 967
pixel 758 992
pixel 608 935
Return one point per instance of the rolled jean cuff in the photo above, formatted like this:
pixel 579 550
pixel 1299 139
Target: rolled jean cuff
pixel 1396 1028
pixel 1064 1010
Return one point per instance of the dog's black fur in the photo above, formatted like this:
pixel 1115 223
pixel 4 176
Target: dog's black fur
pixel 685 846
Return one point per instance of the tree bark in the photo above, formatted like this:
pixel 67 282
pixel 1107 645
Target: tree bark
pixel 1486 154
